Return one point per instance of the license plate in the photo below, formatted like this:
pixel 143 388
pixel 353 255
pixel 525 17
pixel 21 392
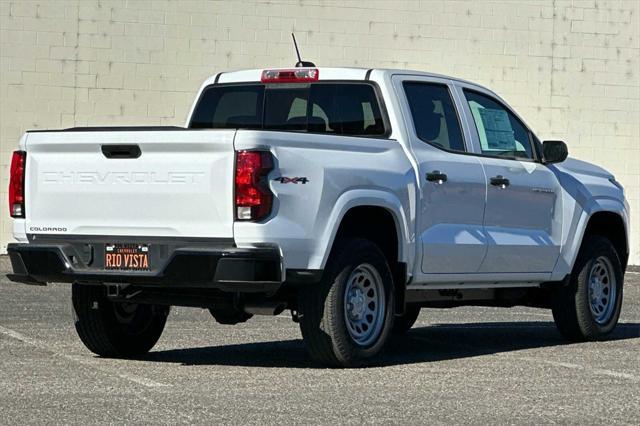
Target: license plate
pixel 126 257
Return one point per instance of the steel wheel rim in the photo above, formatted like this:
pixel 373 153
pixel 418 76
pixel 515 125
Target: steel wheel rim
pixel 364 304
pixel 602 290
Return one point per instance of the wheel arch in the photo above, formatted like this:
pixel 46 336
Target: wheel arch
pixel 594 217
pixel 356 209
pixel 611 225
pixel 607 218
pixel 374 223
pixel 356 204
pixel 381 220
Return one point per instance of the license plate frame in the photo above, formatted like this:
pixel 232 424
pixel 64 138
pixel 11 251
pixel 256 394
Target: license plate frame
pixel 129 257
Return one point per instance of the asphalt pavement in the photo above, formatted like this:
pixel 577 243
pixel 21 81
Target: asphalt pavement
pixel 465 365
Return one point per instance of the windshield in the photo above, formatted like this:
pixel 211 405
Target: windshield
pixel 336 108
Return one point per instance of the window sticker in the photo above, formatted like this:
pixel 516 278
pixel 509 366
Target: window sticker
pixel 498 129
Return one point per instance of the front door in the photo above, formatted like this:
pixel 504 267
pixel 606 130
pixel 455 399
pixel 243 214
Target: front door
pixel 523 215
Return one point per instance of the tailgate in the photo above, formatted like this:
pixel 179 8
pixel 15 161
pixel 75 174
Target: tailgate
pixel 181 184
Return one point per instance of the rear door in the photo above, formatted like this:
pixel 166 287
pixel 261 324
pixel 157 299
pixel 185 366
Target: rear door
pixel 131 183
pixel 451 184
pixel 523 216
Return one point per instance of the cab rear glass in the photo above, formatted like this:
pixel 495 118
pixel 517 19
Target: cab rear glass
pixel 335 108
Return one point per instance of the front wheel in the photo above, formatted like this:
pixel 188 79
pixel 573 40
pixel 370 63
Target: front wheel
pixel 346 319
pixel 588 307
pixel 115 329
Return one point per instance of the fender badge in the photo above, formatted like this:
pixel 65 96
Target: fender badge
pixel 545 190
pixel 295 180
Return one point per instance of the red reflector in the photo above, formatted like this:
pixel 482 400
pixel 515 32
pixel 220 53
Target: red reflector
pixel 296 75
pixel 16 184
pixel 253 197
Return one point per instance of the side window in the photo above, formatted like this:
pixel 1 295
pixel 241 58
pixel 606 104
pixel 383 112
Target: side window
pixel 501 133
pixel 434 115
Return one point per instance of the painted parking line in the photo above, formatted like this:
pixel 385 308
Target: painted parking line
pixel 534 360
pixel 95 365
pixel 586 368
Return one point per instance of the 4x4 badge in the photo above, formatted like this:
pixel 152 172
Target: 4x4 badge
pixel 295 180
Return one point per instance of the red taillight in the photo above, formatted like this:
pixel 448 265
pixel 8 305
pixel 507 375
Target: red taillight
pixel 296 75
pixel 16 184
pixel 253 197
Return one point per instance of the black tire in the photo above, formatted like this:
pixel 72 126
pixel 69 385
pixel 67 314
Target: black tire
pixel 322 307
pixel 571 304
pixel 404 322
pixel 115 330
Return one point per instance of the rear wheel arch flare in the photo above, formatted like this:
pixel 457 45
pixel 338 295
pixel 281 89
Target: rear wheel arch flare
pixel 376 224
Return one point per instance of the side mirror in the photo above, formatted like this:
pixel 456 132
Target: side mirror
pixel 554 151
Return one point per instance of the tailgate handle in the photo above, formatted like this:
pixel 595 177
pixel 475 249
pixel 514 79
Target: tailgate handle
pixel 121 151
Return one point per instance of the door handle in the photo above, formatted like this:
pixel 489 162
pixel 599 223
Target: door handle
pixel 499 181
pixel 437 177
pixel 121 151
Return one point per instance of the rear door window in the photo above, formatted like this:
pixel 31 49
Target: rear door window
pixel 334 108
pixel 434 115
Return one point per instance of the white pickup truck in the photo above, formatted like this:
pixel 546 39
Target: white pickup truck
pixel 351 197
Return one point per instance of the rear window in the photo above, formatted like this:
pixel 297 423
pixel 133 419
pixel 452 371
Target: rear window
pixel 335 108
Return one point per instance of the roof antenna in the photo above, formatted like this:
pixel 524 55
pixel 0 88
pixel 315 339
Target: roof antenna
pixel 300 62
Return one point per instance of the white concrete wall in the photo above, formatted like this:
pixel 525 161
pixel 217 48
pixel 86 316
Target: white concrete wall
pixel 571 68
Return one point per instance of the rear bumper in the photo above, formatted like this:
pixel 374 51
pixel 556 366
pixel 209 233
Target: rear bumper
pixel 173 264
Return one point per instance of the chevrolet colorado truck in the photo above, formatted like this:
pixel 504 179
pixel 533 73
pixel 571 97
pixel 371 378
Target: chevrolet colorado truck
pixel 351 197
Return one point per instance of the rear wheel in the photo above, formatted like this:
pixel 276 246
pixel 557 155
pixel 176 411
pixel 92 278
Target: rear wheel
pixel 588 307
pixel 114 329
pixel 346 319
